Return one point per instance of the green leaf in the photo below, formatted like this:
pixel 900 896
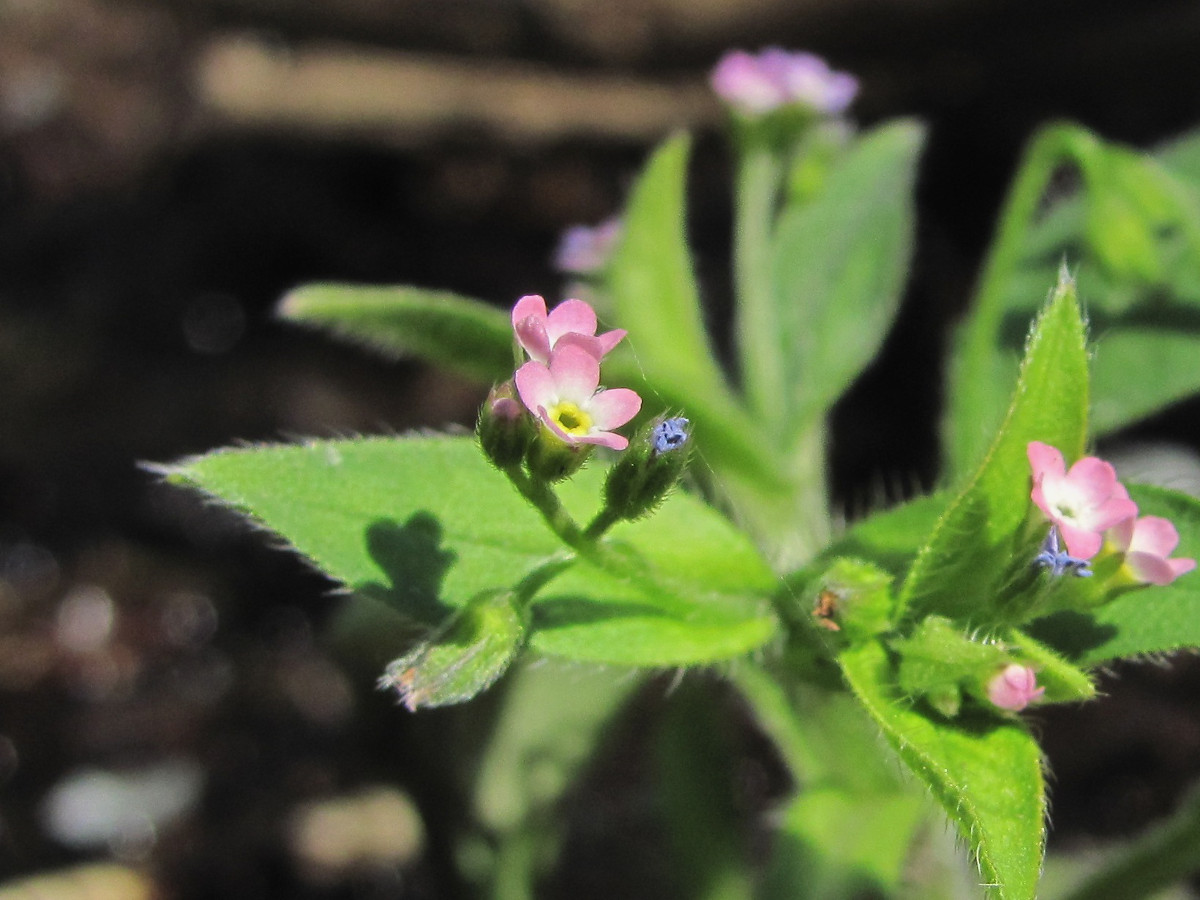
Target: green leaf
pixel 667 353
pixel 838 268
pixel 651 282
pixel 427 526
pixel 1146 620
pixel 464 335
pixel 1132 237
pixel 834 843
pixel 959 571
pixel 985 773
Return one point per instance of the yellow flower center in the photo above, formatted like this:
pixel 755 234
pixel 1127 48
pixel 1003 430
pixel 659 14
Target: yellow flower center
pixel 570 418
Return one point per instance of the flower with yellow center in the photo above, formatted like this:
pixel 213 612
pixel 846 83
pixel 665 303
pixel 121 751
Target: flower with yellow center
pixel 565 396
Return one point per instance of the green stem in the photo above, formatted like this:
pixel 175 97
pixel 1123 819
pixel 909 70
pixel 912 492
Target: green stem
pixel 759 178
pixel 1164 856
pixel 973 382
pixel 542 496
pixel 604 520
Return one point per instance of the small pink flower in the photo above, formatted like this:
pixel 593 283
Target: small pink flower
pixel 564 395
pixel 759 84
pixel 1082 502
pixel 1014 687
pixel 1146 543
pixel 571 322
pixel 585 250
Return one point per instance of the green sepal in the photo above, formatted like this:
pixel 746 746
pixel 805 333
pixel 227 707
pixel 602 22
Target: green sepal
pixel 1063 681
pixel 464 657
pixel 937 662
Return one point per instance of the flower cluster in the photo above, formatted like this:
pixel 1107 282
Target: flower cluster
pixel 758 84
pixel 1092 510
pixel 560 384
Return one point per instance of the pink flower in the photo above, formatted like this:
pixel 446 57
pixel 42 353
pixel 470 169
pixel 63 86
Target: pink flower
pixel 1082 502
pixel 584 250
pixel 571 322
pixel 564 395
pixel 760 84
pixel 1014 687
pixel 1146 543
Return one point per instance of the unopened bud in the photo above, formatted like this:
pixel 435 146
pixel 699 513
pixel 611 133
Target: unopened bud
pixel 505 428
pixel 649 469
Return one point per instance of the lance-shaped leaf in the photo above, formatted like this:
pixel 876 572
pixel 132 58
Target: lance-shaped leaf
pixel 986 773
pixel 838 267
pixel 965 560
pixel 653 289
pixel 1131 234
pixel 1149 620
pixel 428 527
pixel 463 335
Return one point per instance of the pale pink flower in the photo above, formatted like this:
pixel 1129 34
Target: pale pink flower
pixel 1146 543
pixel 1014 687
pixel 565 396
pixel 1082 502
pixel 585 250
pixel 759 84
pixel 571 322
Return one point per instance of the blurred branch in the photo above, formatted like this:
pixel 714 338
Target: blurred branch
pixel 404 98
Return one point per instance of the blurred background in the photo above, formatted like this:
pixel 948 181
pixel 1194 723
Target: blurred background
pixel 172 721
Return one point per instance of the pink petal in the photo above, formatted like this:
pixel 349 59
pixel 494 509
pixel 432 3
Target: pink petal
pixel 610 339
pixel 1154 534
pixel 1122 533
pixel 576 374
pixel 1044 459
pixel 571 316
pixel 1149 568
pixel 1014 687
pixel 604 439
pixel 529 306
pixel 612 409
pixel 531 335
pixel 1081 543
pixel 536 386
pixel 590 345
pixel 1181 566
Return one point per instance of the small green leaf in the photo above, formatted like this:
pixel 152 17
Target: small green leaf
pixel 986 774
pixel 1146 620
pixel 461 334
pixel 839 264
pixel 970 552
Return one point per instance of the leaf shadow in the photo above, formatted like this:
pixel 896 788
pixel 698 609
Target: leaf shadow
pixel 1072 633
pixel 415 562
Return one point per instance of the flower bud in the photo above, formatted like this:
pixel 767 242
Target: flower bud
pixel 646 472
pixel 505 428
